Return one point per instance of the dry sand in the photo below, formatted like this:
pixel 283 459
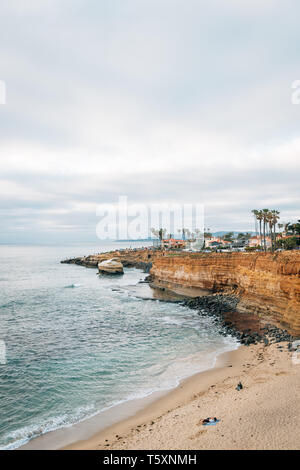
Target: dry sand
pixel 265 414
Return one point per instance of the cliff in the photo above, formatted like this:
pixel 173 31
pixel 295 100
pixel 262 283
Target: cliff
pixel 267 284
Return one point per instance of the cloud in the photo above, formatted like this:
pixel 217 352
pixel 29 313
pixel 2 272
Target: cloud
pixel 160 101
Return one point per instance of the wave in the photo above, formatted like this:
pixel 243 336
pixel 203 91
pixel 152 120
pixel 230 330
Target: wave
pixel 72 286
pixel 170 376
pixel 21 436
pixel 13 303
pixel 172 373
pixel 173 321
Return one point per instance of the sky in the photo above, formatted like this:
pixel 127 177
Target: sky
pixel 161 101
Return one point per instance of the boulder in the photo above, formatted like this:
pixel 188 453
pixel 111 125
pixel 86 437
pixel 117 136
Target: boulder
pixel 111 266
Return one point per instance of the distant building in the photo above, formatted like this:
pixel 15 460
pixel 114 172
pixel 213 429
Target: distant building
pixel 284 237
pixel 173 244
pixel 216 241
pixel 226 243
pixel 197 244
pixel 212 241
pixel 256 241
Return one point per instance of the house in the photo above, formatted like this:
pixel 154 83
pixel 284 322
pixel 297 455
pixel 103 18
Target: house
pixel 284 237
pixel 173 244
pixel 256 241
pixel 214 242
pixel 226 243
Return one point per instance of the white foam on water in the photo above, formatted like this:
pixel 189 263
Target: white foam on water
pixel 168 375
pixel 173 321
pixel 164 376
pixel 171 374
pixel 21 436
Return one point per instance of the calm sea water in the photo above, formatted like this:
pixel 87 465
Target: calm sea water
pixel 78 343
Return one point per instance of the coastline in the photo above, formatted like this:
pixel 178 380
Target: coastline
pixel 148 423
pixel 114 415
pixel 267 402
pixel 71 433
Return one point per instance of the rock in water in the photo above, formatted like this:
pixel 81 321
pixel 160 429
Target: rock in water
pixel 111 266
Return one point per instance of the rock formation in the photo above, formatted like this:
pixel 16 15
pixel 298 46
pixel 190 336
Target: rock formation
pixel 111 266
pixel 137 258
pixel 267 284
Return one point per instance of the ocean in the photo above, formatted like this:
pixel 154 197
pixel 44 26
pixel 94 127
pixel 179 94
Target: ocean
pixel 77 344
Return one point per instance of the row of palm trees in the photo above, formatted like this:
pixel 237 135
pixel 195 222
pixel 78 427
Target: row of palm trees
pixel 185 233
pixel 266 220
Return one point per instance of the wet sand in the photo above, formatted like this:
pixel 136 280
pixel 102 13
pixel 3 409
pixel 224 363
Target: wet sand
pixel 89 427
pixel 265 414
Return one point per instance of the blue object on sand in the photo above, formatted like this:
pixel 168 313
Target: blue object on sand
pixel 212 423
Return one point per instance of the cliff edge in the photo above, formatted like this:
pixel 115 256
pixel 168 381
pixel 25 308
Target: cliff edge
pixel 267 284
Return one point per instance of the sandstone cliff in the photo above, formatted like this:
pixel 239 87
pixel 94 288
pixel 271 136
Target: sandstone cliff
pixel 267 284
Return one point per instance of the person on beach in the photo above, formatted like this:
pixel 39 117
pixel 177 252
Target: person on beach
pixel 209 420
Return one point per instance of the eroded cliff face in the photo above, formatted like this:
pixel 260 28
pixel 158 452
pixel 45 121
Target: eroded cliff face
pixel 267 284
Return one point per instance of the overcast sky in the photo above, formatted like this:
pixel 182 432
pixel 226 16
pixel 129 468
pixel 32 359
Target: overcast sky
pixel 183 101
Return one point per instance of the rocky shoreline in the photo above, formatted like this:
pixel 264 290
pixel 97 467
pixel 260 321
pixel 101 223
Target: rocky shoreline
pixel 243 326
pixel 267 284
pixel 251 389
pixel 135 258
pixel 230 311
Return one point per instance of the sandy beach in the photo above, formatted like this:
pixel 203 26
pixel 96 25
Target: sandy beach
pixel 265 414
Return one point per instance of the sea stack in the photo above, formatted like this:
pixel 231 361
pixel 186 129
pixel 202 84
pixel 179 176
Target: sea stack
pixel 111 266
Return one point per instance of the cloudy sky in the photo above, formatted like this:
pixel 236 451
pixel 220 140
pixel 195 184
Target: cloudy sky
pixel 163 101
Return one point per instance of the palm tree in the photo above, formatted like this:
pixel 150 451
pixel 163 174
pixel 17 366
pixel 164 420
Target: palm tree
pixel 265 215
pixel 207 233
pixel 185 233
pixel 287 227
pixel 255 221
pixel 160 234
pixel 269 221
pixel 292 228
pixel 155 232
pixel 267 225
pixel 259 216
pixel 274 217
pixel 255 213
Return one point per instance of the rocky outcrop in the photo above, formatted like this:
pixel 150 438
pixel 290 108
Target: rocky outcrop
pixel 267 284
pixel 131 258
pixel 111 266
pixel 246 327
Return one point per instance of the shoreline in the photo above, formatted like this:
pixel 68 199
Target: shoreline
pixel 157 402
pixel 102 420
pixel 121 418
pixel 113 416
pixel 271 392
pixel 131 431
